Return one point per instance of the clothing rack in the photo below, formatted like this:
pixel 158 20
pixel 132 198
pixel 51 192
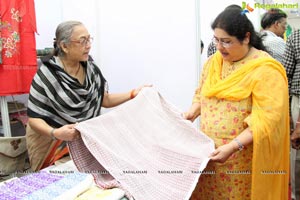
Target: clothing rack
pixel 3 100
pixel 5 116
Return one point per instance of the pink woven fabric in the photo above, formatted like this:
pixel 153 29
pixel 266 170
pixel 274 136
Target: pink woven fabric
pixel 147 148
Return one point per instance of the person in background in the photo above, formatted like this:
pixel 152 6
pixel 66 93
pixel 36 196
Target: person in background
pixel 68 88
pixel 211 49
pixel 202 46
pixel 242 98
pixel 274 25
pixel 291 63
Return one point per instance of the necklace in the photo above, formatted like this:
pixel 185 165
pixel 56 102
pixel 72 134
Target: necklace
pixel 77 69
pixel 64 68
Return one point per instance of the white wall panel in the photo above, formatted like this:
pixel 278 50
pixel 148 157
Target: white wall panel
pixel 150 42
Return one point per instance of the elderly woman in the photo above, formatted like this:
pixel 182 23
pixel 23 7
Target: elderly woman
pixel 243 102
pixel 68 88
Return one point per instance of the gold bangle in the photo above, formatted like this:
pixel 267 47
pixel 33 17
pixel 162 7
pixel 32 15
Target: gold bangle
pixel 52 134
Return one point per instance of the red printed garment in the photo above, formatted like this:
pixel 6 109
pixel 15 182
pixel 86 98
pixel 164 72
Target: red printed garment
pixel 17 46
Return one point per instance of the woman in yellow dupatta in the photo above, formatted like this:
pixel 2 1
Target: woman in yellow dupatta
pixel 243 102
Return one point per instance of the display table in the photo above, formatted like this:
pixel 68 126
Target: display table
pixel 57 182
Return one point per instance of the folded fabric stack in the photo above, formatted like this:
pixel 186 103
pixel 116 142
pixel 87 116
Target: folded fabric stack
pixel 97 193
pixel 45 185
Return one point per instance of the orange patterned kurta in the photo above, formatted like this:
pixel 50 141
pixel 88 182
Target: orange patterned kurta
pixel 223 120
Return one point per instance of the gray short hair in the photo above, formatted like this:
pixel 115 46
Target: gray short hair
pixel 63 34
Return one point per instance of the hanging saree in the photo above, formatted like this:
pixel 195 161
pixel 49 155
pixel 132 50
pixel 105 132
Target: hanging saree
pixel 17 45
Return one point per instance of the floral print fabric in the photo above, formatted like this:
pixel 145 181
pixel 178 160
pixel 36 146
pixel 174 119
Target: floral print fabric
pixel 222 120
pixel 18 61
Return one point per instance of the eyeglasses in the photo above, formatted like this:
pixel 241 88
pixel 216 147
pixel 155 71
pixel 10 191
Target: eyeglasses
pixel 84 41
pixel 224 44
pixel 284 24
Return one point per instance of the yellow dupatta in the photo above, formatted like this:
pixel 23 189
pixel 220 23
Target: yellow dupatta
pixel 269 120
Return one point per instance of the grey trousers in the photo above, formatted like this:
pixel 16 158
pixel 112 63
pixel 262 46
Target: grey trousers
pixel 295 154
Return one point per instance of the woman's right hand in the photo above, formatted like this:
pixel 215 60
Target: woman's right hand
pixel 192 113
pixel 66 133
pixel 189 116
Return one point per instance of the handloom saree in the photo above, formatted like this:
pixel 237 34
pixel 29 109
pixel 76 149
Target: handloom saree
pixel 254 95
pixel 144 146
pixel 60 99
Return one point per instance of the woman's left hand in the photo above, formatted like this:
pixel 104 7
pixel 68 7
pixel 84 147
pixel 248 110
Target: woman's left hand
pixel 295 138
pixel 222 153
pixel 137 90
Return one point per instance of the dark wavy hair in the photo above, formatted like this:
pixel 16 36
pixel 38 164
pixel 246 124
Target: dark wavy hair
pixel 271 16
pixel 237 24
